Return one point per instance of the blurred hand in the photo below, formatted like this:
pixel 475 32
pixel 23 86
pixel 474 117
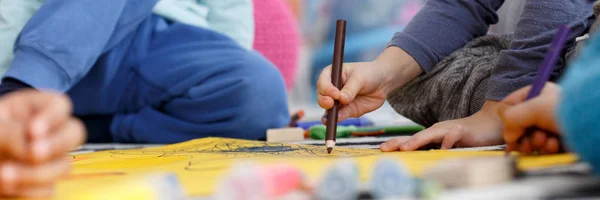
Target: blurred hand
pixel 367 84
pixel 519 115
pixel 479 129
pixel 37 130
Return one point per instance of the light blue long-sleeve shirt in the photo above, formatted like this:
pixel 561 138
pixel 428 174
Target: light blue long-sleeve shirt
pixel 233 18
pixel 63 40
pixel 578 111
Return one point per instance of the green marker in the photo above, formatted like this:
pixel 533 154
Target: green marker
pixel 318 131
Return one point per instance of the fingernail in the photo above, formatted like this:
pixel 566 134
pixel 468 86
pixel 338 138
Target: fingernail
pixel 39 149
pixel 39 128
pixel 383 145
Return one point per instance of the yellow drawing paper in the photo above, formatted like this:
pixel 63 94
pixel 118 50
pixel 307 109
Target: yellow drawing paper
pixel 199 163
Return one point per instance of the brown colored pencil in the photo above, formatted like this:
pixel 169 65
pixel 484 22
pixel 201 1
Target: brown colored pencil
pixel 336 79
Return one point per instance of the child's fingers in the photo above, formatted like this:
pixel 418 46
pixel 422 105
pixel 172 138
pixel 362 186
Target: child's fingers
pixel 54 112
pixel 351 88
pixel 510 147
pixel 517 119
pixel 536 112
pixel 65 139
pixel 538 139
pixel 525 146
pixel 42 109
pixel 517 96
pixel 39 175
pixel 341 116
pixel 13 142
pixel 17 179
pixel 324 85
pixel 394 144
pixel 37 192
pixel 425 137
pixel 325 102
pixel 552 145
pixel 453 136
pixel 8 180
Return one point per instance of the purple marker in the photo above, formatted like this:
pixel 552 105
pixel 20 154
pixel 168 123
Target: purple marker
pixel 549 61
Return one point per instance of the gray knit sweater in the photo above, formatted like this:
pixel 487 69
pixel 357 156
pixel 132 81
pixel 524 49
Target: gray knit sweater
pixel 458 80
pixel 443 26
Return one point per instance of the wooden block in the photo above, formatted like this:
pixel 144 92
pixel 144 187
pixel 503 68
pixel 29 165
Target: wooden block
pixel 285 135
pixel 472 172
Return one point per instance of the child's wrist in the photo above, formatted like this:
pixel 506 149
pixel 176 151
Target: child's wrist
pixel 398 68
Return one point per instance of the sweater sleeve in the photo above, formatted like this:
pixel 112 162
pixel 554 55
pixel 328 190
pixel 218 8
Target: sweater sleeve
pixel 64 38
pixel 517 66
pixel 443 26
pixel 578 111
pixel 14 14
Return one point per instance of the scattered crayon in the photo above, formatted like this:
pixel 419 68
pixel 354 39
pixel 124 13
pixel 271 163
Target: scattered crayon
pixel 295 118
pixel 318 131
pixel 362 121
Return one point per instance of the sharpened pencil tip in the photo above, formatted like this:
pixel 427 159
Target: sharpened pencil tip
pixel 329 149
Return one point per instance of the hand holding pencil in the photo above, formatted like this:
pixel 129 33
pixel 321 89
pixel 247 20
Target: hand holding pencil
pixel 518 115
pixel 359 88
pixel 532 123
pixel 336 80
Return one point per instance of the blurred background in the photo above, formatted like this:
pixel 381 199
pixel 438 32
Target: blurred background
pixel 298 36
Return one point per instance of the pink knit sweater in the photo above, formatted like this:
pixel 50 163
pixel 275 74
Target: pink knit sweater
pixel 277 36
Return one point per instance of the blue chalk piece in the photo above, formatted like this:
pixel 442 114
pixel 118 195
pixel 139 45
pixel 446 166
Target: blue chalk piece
pixel 391 180
pixel 362 121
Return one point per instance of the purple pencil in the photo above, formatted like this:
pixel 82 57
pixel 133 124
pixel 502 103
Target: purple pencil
pixel 547 65
pixel 549 61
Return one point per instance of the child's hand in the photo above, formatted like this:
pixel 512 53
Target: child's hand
pixel 519 115
pixel 367 84
pixel 37 129
pixel 359 95
pixel 479 129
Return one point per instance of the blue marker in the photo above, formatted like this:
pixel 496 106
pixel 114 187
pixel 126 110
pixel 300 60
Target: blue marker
pixel 362 121
pixel 391 180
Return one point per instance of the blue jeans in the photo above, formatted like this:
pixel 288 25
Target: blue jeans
pixel 167 83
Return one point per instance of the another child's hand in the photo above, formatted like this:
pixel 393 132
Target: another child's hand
pixel 366 84
pixel 37 130
pixel 479 129
pixel 519 115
